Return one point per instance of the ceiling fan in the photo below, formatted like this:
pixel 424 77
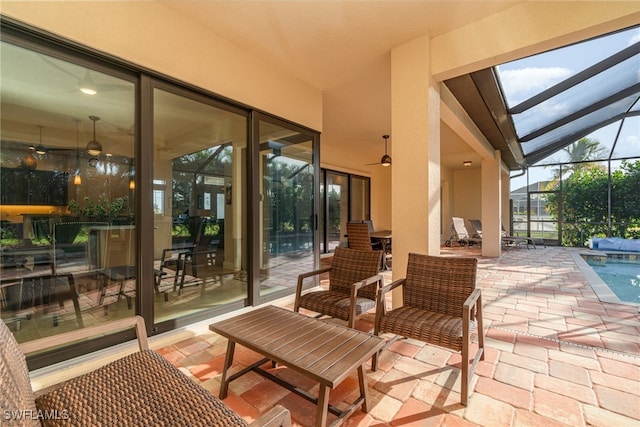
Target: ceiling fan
pixel 386 159
pixel 85 83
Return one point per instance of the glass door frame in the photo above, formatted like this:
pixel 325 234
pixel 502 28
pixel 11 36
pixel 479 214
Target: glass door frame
pixel 254 228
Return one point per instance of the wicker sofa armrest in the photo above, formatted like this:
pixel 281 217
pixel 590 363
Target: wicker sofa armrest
pixel 136 322
pixel 277 416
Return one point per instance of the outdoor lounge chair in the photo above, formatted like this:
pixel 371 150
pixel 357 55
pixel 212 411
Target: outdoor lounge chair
pixel 506 238
pixel 141 389
pixel 353 284
pixel 441 306
pixel 460 234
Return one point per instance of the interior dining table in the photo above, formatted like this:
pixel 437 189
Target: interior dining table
pixel 384 237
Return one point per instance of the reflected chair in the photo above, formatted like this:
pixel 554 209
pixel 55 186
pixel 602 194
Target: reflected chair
pixel 118 261
pixel 441 306
pixel 22 297
pixel 353 284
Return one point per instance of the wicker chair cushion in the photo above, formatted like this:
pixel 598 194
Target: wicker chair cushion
pixel 352 265
pixel 439 284
pixel 137 390
pixel 426 326
pixel 334 304
pixel 15 387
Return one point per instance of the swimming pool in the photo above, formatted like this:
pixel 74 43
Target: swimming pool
pixel 615 277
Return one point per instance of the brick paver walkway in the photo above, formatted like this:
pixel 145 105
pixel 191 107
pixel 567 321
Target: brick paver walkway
pixel 555 356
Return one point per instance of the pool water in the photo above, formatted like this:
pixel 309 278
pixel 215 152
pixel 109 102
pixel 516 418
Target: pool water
pixel 620 273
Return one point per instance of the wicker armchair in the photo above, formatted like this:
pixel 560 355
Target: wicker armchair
pixel 141 389
pixel 353 284
pixel 441 306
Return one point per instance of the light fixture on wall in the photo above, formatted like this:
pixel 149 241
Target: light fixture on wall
pixel 77 179
pixel 386 159
pixel 466 163
pixel 94 148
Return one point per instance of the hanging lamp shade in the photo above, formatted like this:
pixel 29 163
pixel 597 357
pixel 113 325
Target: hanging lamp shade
pixel 386 159
pixel 29 161
pixel 77 179
pixel 94 148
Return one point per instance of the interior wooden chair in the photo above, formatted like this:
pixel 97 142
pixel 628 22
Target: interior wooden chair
pixel 441 306
pixel 353 284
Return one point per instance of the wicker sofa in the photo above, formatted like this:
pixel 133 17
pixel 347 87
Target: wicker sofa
pixel 141 389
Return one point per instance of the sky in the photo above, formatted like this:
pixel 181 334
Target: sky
pixel 526 77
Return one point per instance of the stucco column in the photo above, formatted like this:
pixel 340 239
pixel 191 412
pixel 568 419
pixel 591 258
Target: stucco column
pixel 415 174
pixel 491 206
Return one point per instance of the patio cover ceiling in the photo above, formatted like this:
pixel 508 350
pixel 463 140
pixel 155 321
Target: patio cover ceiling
pixel 575 105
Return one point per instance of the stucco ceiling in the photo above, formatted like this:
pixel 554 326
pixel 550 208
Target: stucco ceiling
pixel 340 47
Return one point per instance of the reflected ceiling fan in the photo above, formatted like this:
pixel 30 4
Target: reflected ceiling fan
pixel 386 159
pixel 85 83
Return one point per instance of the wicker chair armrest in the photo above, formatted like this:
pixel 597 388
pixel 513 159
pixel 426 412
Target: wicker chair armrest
pixel 136 322
pixel 306 275
pixel 381 307
pixel 391 286
pixel 369 280
pixel 277 416
pixel 470 306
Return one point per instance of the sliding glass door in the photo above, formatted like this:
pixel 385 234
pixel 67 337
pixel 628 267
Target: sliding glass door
pixel 199 182
pixel 287 213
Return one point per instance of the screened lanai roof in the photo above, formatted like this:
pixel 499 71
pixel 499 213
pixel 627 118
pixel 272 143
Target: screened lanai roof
pixel 532 108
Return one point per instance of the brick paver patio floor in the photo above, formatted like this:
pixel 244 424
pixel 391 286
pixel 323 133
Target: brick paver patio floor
pixel 555 355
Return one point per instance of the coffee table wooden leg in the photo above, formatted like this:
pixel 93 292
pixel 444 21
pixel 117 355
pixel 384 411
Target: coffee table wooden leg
pixel 228 360
pixel 323 406
pixel 364 390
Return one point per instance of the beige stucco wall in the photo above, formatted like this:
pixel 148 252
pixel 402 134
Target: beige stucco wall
pixel 149 35
pixel 467 190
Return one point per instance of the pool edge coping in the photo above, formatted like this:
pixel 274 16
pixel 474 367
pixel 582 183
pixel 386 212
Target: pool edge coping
pixel 601 289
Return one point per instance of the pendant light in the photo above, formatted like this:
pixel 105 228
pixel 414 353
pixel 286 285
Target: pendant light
pixel 132 172
pixel 40 148
pixel 77 179
pixel 94 148
pixel 29 161
pixel 386 159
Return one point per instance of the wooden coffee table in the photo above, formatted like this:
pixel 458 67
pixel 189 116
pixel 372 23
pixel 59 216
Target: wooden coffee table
pixel 323 351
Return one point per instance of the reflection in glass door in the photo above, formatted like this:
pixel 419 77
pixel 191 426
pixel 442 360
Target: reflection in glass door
pixel 338 212
pixel 198 192
pixel 67 235
pixel 287 214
